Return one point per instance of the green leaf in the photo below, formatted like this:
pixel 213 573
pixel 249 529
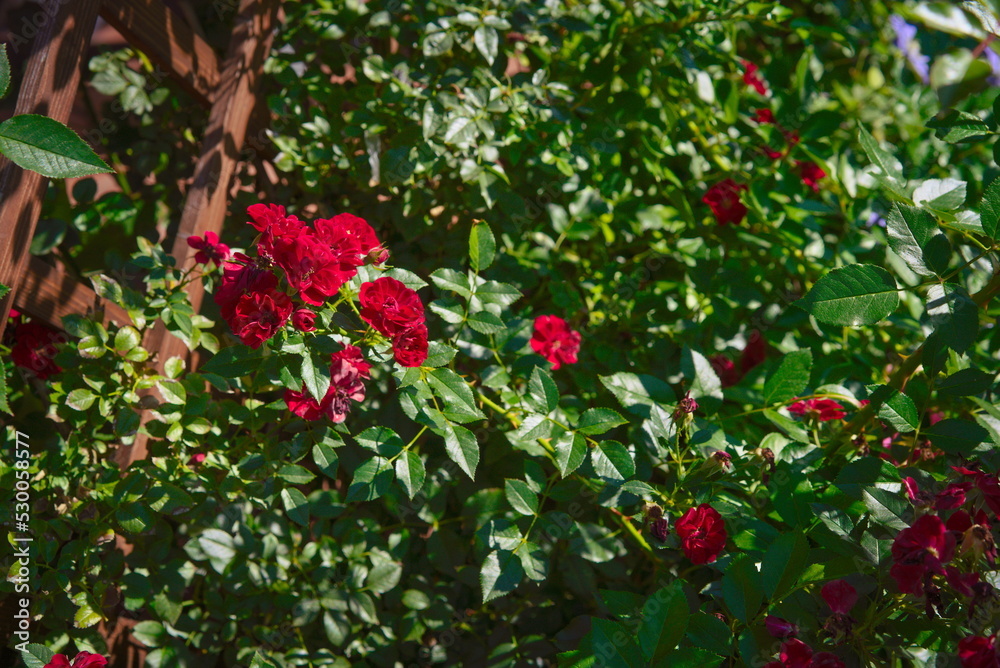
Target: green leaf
pixel 150 633
pixel 296 505
pixel 859 294
pixel 534 561
pixel 708 631
pixel 326 459
pixel 612 460
pixel 615 645
pixel 462 447
pixel 705 385
pixel 126 339
pixel 371 480
pixel 48 147
pixel 741 588
pixel 482 246
pixel 571 449
pixel 4 77
pixel 895 408
pixel 888 508
pixel 382 440
pixel 456 395
pixel 133 517
pixel 664 622
pixel 35 655
pixel 316 377
pixel 218 547
pixel 890 171
pixel 910 230
pixel 234 362
pixel 694 657
pixel 956 126
pixel 965 383
pixel 957 437
pixel 410 472
pixel 4 405
pixel 165 498
pixel 543 395
pixel 785 560
pixel 485 322
pixel 295 474
pixel 86 616
pixel 989 209
pixel 487 42
pixel 789 379
pixel 449 279
pixel 261 661
pixel 637 392
pixel 595 421
pixel 80 399
pixel 954 317
pixel 520 497
pixel 500 575
pixel 173 392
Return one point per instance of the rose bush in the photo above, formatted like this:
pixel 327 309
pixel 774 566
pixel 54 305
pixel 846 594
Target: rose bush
pixel 578 334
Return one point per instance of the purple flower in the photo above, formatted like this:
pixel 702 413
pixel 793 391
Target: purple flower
pixel 875 219
pixel 906 42
pixel 994 60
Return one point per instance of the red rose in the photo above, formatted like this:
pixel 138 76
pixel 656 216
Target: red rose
pixel 822 410
pixel 34 347
pixel 390 307
pixel 754 352
pixel 919 552
pixel 238 280
pixel 209 249
pixel 353 356
pixel 795 654
pixel 952 496
pixel 752 78
pixel 825 660
pixel 763 116
pixel 82 660
pixel 274 225
pixel 304 320
pixel 780 628
pixel 409 347
pixel 810 173
pixel 725 370
pixel 973 534
pixel 702 533
pixel 315 267
pixel 555 341
pixel 978 652
pixel 259 316
pixel 839 595
pixel 724 200
pixel 345 386
pixel 355 227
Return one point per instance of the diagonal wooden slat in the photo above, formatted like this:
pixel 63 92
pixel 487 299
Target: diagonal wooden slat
pixel 167 39
pixel 48 292
pixel 208 197
pixel 49 87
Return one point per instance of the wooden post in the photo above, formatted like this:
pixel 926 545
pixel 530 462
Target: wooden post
pixel 49 88
pixel 208 198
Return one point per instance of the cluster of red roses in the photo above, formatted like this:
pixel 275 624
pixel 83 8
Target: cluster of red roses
pixel 555 341
pixel 723 198
pixel 82 660
pixel 701 530
pixel 33 345
pixel 926 549
pixel 315 262
pixel 840 596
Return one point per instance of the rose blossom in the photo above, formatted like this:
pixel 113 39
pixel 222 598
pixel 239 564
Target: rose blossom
pixel 979 652
pixel 918 552
pixel 209 249
pixel 317 267
pixel 390 307
pixel 724 200
pixel 702 533
pixel 355 227
pixel 409 347
pixel 810 173
pixel 780 628
pixel 345 386
pixel 82 660
pixel 34 347
pixel 822 410
pixel 555 341
pixel 237 281
pixel 259 316
pixel 304 320
pixel 752 78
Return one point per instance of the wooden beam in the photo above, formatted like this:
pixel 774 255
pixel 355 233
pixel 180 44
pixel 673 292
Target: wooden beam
pixel 208 198
pixel 49 87
pixel 167 39
pixel 49 292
